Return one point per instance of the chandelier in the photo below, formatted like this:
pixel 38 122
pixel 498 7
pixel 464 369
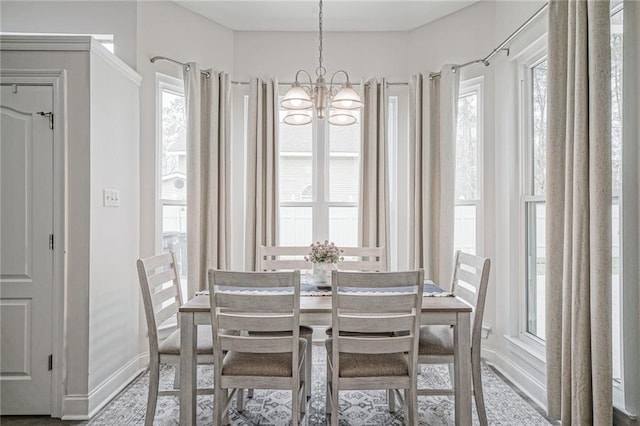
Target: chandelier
pixel 340 100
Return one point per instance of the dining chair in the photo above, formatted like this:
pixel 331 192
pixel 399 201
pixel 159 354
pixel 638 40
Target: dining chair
pixel 469 282
pixel 162 296
pixel 256 334
pixel 282 258
pixel 375 345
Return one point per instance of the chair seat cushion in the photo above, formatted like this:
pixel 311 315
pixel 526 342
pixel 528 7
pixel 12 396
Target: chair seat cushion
pixel 171 345
pixel 260 364
pixel 370 365
pixel 329 333
pixel 436 340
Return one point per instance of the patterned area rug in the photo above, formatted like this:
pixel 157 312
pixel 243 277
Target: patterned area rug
pixel 504 405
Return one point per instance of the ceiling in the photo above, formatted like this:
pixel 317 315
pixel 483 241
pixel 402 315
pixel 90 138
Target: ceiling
pixel 339 15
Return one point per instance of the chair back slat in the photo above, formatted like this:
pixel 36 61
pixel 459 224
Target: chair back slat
pixel 265 302
pixel 378 302
pixel 377 280
pixel 476 262
pixel 278 258
pixel 161 294
pixel 162 277
pixel 253 279
pixel 164 295
pixel 376 324
pixel 253 322
pixel 166 313
pixel 470 278
pixel 375 345
pixel 363 259
pixel 256 344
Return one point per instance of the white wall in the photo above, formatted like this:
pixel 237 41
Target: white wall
pixel 115 242
pixel 75 17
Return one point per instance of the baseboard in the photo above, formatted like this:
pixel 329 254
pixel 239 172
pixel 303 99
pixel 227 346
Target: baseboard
pixel 528 384
pixel 621 418
pixel 83 407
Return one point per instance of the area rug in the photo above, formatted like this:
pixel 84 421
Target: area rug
pixel 504 405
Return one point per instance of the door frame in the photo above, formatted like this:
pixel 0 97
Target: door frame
pixel 57 79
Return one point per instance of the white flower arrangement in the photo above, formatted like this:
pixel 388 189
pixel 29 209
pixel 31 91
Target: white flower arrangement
pixel 324 253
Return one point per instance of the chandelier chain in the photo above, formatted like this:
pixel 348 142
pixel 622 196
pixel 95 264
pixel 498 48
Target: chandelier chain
pixel 321 70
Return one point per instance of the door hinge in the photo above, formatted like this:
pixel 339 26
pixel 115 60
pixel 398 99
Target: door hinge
pixel 49 115
pixel 50 241
pixel 50 362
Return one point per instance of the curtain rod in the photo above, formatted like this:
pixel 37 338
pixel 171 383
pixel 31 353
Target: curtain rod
pixel 501 46
pixel 243 83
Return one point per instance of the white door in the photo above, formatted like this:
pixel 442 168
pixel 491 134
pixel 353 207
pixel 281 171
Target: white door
pixel 26 255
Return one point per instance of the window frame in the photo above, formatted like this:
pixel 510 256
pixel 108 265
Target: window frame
pixel 536 54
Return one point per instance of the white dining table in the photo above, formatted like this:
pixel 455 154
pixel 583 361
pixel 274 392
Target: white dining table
pixel 316 311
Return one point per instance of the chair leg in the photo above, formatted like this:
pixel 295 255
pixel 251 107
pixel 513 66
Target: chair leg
pixel 225 415
pixel 327 400
pixel 335 404
pixel 411 398
pixel 218 404
pixel 176 377
pixel 152 397
pixel 452 379
pixel 240 400
pixel 391 399
pixel 308 362
pixel 476 375
pixel 295 406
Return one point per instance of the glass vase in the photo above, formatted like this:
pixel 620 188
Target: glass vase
pixel 322 272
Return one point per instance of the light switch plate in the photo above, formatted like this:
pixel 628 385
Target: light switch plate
pixel 111 198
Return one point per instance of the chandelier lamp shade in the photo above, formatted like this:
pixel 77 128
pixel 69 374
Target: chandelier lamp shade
pixel 339 100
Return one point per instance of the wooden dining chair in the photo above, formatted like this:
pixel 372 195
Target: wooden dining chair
pixel 256 336
pixel 162 296
pixel 280 258
pixel 375 344
pixel 470 281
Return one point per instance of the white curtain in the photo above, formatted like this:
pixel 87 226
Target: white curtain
pixel 207 106
pixel 432 136
pixel 262 170
pixel 373 209
pixel 578 175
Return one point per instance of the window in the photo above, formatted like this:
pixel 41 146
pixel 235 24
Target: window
pixel 468 173
pixel 533 195
pixel 535 99
pixel 319 173
pixel 172 170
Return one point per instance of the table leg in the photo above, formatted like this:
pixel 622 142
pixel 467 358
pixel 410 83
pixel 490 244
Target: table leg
pixel 188 353
pixel 462 363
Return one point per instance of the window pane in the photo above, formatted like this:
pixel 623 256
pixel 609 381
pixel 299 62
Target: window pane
pixel 295 226
pixel 615 292
pixel 344 162
pixel 464 235
pixel 174 148
pixel 174 235
pixel 539 120
pixel 296 166
pixel 343 226
pixel 467 148
pixel 616 101
pixel 536 262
